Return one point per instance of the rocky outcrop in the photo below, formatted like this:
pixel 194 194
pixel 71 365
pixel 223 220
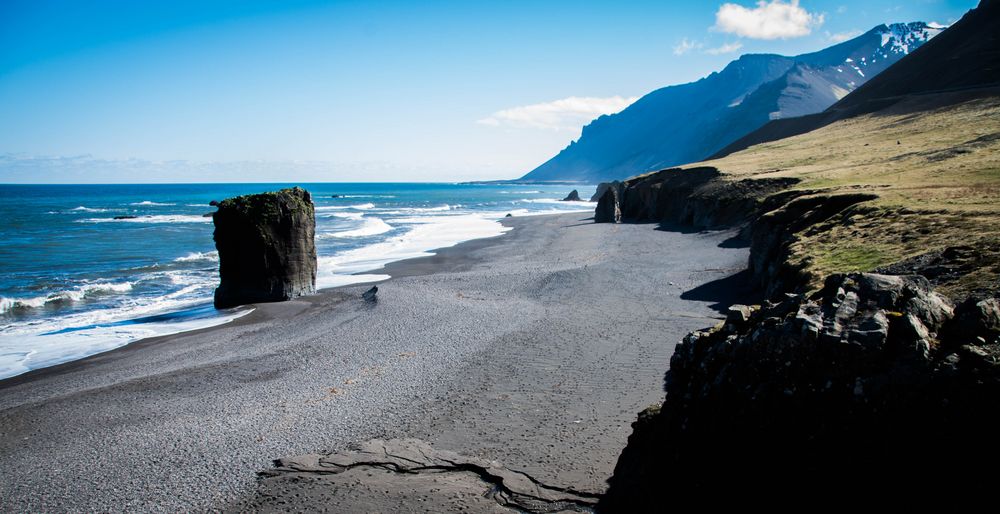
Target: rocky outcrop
pixel 699 197
pixel 773 232
pixel 573 196
pixel 407 475
pixel 267 251
pixel 609 205
pixel 873 385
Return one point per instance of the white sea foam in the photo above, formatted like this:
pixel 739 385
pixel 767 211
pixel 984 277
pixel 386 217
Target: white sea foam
pixel 332 280
pixel 70 295
pixel 559 202
pixel 21 352
pixel 212 256
pixel 150 203
pixel 360 206
pixel 89 209
pixel 369 227
pixel 428 233
pixel 345 215
pixel 159 218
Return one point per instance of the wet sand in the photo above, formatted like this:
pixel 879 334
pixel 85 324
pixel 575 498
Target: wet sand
pixel 535 348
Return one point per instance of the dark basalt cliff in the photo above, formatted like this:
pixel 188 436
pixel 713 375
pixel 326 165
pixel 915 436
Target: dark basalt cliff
pixel 872 384
pixel 267 251
pixel 875 386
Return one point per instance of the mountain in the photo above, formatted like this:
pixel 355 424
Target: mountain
pixel 964 57
pixel 686 123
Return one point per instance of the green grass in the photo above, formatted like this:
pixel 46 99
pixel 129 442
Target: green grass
pixel 936 174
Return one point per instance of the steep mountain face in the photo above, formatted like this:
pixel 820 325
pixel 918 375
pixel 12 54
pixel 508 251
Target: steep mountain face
pixel 964 57
pixel 686 123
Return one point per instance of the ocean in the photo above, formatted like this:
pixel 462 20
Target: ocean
pixel 75 281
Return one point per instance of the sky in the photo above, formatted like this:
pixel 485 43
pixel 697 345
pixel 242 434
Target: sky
pixel 298 90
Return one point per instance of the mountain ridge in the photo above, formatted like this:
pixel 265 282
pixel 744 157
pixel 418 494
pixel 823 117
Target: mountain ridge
pixel 963 59
pixel 688 122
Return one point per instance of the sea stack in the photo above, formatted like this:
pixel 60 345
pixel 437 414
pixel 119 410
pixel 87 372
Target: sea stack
pixel 609 205
pixel 573 196
pixel 267 249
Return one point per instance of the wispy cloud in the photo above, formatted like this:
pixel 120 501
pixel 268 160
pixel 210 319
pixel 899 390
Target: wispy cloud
pixel 564 114
pixel 769 20
pixel 727 48
pixel 840 37
pixel 686 45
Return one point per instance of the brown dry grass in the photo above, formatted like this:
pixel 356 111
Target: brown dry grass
pixel 936 172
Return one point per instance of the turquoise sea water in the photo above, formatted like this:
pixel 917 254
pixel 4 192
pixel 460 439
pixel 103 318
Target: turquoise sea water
pixel 74 281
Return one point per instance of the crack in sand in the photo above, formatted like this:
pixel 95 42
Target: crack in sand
pixel 508 488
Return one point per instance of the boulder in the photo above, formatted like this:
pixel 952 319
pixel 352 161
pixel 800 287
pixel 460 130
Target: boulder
pixel 976 319
pixel 213 203
pixel 267 251
pixel 127 217
pixel 609 205
pixel 573 196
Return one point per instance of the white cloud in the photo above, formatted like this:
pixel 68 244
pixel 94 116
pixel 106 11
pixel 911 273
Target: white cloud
pixel 842 9
pixel 727 48
pixel 564 114
pixel 840 37
pixel 686 46
pixel 769 20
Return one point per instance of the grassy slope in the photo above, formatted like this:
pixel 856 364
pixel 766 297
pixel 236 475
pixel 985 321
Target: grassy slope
pixel 938 187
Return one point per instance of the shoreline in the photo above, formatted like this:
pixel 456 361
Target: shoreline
pixel 535 349
pixel 402 266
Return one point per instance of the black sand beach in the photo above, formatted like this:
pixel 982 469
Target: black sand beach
pixel 535 348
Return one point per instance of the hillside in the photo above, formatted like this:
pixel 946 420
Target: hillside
pixel 965 56
pixel 685 123
pixel 874 353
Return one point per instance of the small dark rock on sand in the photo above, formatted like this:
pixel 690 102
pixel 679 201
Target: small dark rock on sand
pixel 370 295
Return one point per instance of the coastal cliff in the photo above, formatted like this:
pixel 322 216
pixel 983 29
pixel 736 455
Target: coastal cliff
pixel 266 245
pixel 875 386
pixel 872 367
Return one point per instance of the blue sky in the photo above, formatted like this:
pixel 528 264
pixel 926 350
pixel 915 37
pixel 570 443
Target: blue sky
pixel 374 90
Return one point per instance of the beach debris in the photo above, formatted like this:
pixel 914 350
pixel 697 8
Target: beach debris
pixel 573 196
pixel 369 295
pixel 267 250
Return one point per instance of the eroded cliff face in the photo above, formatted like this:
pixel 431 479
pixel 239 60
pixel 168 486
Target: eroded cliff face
pixel 267 250
pixel 874 385
pixel 870 385
pixel 697 197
